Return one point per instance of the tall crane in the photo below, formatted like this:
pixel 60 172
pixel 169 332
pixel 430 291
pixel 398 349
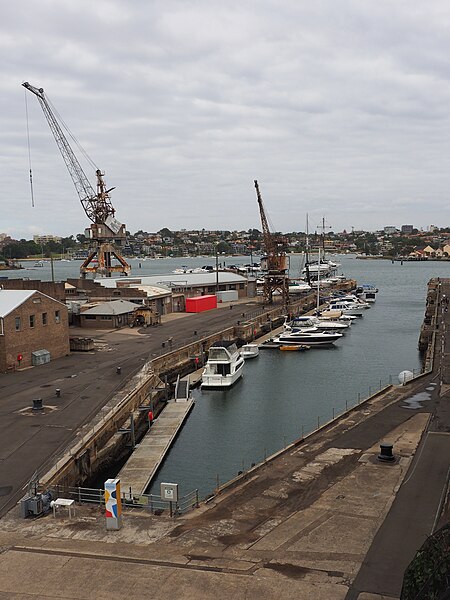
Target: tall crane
pixel 106 231
pixel 274 264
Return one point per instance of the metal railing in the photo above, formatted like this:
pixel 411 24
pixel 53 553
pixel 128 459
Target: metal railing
pixel 151 502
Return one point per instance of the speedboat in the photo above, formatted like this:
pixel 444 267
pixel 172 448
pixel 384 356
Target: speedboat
pixel 249 351
pixel 39 263
pixel 308 338
pixel 224 366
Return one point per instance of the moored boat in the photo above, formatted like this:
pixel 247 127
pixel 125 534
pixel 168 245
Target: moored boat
pixel 308 338
pixel 299 348
pixel 224 366
pixel 249 351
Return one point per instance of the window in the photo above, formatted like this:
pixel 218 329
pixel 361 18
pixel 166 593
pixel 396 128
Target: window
pixel 117 293
pixel 17 323
pixel 57 316
pixel 105 318
pixel 44 318
pixel 31 320
pixel 90 317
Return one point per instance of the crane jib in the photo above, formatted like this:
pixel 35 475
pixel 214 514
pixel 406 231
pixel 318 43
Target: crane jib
pixel 90 201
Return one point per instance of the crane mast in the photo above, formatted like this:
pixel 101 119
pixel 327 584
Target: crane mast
pixel 274 264
pixel 105 229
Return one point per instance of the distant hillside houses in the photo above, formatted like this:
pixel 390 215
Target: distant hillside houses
pixel 430 252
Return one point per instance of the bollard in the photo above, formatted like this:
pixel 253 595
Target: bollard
pixel 37 404
pixel 118 370
pixel 58 392
pixel 386 453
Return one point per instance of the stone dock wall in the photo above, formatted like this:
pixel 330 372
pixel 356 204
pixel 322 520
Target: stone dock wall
pixel 100 444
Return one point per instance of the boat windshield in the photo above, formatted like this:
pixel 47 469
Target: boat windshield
pixel 218 354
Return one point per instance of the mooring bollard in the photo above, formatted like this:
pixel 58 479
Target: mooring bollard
pixel 118 370
pixel 37 404
pixel 58 392
pixel 386 453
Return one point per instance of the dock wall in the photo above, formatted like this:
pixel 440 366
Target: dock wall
pixel 100 443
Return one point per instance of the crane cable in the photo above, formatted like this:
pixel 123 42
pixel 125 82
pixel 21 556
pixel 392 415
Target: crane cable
pixel 29 151
pixel 71 135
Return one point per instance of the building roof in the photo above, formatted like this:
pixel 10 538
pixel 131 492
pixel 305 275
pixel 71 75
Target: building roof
pixel 12 299
pixel 115 307
pixel 154 291
pixel 177 280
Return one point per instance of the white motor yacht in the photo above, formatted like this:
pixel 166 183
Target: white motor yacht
pixel 347 307
pixel 367 292
pixel 249 351
pixel 224 366
pixel 312 321
pixel 351 298
pixel 308 337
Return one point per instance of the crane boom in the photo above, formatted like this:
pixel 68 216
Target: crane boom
pixel 97 206
pixel 105 229
pixel 276 278
pixel 267 236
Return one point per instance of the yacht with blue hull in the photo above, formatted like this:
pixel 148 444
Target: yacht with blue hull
pixel 224 366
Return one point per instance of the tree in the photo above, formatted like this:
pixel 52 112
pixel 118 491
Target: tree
pixel 165 232
pixel 223 247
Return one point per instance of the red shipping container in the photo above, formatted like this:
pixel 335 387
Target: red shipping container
pixel 201 303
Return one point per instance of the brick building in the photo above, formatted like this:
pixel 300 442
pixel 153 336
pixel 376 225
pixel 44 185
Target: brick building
pixel 53 289
pixel 31 321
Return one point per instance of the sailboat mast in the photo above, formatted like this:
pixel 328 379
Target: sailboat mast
pixel 318 282
pixel 308 276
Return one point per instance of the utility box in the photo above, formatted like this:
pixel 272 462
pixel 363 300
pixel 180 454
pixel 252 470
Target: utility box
pixel 227 296
pixel 40 357
pixel 200 303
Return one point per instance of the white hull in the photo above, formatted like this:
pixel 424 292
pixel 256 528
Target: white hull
pixel 224 366
pixel 249 351
pixel 221 381
pixel 308 339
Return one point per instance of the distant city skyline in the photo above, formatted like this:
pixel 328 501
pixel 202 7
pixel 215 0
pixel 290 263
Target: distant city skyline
pixel 338 109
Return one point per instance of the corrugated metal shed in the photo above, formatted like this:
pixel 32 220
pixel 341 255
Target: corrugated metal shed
pixel 115 307
pixel 178 279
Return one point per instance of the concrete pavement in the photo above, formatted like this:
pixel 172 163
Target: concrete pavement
pixel 323 520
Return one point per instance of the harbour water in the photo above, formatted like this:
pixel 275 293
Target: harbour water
pixel 283 395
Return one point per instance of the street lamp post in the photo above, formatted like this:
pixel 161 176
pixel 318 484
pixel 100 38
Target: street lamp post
pixel 217 271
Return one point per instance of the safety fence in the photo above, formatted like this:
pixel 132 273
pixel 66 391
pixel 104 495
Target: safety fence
pixel 151 503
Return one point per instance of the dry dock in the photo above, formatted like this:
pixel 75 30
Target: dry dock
pixel 322 520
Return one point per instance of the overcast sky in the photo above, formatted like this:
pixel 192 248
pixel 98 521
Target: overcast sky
pixel 339 108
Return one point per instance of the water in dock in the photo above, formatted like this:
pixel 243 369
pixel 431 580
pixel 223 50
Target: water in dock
pixel 283 394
